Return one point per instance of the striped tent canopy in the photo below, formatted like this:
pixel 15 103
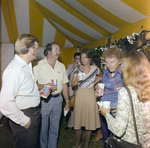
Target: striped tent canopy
pixel 73 23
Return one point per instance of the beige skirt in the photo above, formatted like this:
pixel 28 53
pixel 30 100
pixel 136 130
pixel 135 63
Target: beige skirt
pixel 85 110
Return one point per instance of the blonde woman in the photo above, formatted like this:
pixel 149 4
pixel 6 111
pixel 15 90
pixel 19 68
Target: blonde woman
pixel 136 75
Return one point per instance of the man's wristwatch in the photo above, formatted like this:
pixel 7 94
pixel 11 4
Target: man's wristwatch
pixel 68 101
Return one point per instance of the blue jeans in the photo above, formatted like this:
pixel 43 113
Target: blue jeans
pixel 51 109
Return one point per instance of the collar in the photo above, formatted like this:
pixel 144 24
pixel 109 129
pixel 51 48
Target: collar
pixel 45 61
pixel 21 62
pixel 117 71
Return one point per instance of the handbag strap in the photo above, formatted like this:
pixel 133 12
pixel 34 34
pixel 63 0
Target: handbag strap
pixel 132 109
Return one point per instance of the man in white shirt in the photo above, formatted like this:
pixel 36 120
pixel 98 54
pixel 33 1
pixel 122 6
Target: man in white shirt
pixel 48 70
pixel 20 97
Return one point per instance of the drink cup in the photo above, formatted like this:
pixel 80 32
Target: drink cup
pixel 54 81
pixel 47 90
pixel 83 74
pixel 106 104
pixel 101 88
pixel 80 76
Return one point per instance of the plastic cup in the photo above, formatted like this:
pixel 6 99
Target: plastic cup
pixel 106 104
pixel 47 90
pixel 101 88
pixel 54 81
pixel 80 76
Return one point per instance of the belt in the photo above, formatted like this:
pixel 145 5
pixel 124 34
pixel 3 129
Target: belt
pixel 55 95
pixel 31 108
pixel 37 107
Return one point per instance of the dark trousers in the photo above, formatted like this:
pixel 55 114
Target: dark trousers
pixel 27 138
pixel 105 131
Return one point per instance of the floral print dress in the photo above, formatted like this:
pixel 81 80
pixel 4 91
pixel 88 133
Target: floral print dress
pixel 122 125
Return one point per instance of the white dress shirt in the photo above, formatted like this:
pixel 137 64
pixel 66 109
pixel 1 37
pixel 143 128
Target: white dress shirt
pixel 19 91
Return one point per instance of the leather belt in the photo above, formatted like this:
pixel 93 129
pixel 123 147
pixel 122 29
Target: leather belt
pixel 31 108
pixel 55 95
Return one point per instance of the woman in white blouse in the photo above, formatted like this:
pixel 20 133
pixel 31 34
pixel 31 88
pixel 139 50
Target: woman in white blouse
pixel 136 75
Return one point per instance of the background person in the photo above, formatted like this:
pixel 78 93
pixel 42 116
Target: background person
pixel 19 94
pixel 136 75
pixel 70 70
pixel 112 78
pixel 97 62
pixel 85 108
pixel 47 70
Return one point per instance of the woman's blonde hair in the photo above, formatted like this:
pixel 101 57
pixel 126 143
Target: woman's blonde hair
pixel 135 70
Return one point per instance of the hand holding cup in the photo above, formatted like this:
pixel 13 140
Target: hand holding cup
pixel 80 76
pixel 104 110
pixel 101 88
pixel 54 84
pixel 47 90
pixel 104 107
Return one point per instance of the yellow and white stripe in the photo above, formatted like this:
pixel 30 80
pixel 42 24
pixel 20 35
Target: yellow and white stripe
pixel 72 23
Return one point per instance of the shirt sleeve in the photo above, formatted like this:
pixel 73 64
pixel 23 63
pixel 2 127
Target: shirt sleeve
pixel 65 77
pixel 10 86
pixel 118 124
pixel 36 72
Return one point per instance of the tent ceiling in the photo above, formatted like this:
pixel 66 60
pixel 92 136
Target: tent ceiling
pixel 71 23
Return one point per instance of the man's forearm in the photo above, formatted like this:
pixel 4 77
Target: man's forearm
pixel 65 92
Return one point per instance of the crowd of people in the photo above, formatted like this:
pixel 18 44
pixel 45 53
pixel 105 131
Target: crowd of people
pixel 35 120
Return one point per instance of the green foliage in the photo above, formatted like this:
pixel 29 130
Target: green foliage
pixel 146 51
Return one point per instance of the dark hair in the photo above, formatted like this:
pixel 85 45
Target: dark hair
pixel 97 60
pixel 77 54
pixel 49 47
pixel 88 53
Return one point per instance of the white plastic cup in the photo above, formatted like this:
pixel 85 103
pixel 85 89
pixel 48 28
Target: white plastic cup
pixel 106 104
pixel 47 90
pixel 83 74
pixel 80 76
pixel 101 88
